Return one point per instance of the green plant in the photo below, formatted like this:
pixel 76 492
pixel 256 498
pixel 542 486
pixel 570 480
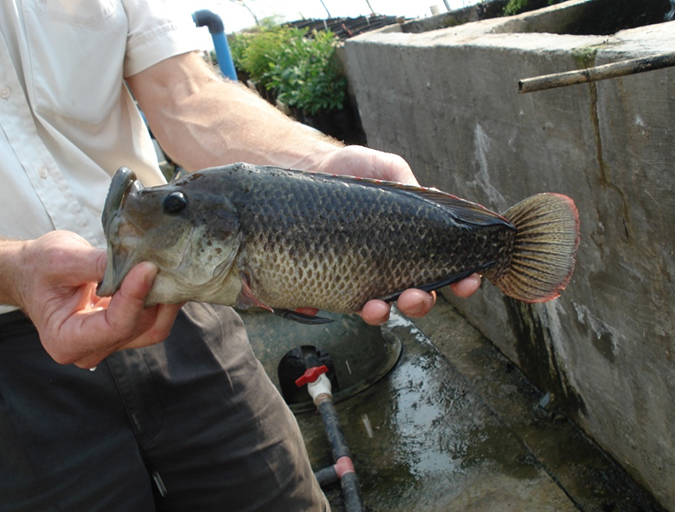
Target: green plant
pixel 515 7
pixel 302 71
pixel 518 6
pixel 308 76
pixel 257 53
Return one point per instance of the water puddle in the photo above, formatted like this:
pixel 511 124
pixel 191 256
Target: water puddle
pixel 421 440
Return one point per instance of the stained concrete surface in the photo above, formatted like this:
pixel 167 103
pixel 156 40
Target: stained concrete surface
pixel 455 426
pixel 447 102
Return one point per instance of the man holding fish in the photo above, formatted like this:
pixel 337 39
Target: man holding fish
pixel 188 424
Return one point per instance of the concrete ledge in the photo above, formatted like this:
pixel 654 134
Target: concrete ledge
pixel 447 101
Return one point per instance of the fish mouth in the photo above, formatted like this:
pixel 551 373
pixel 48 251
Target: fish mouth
pixel 123 183
pixel 120 186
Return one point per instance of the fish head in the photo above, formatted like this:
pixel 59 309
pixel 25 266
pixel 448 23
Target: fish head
pixel 187 228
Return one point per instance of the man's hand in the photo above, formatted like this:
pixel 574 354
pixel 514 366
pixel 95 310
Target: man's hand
pixel 55 284
pixel 367 163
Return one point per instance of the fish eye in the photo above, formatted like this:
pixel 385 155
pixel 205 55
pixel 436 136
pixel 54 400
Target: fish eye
pixel 175 202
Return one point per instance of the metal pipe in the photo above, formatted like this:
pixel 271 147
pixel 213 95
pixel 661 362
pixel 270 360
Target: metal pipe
pixel 206 18
pixel 613 70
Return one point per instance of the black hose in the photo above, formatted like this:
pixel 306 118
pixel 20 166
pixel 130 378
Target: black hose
pixel 351 492
pixel 343 468
pixel 333 428
pixel 310 356
pixel 327 476
pixel 348 480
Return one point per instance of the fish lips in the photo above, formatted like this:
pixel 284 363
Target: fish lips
pixel 123 183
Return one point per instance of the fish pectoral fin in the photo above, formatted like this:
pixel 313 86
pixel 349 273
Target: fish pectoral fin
pixel 246 298
pixel 436 285
pixel 301 317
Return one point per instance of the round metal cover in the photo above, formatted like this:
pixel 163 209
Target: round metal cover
pixel 356 353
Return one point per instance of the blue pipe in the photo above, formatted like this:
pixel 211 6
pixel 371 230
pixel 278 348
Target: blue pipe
pixel 206 18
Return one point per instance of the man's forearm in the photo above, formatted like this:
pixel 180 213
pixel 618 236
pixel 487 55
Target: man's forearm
pixel 202 120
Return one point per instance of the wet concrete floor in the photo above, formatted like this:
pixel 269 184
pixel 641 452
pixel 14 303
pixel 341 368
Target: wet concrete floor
pixel 456 427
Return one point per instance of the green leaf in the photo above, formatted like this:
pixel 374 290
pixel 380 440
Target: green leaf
pixel 301 68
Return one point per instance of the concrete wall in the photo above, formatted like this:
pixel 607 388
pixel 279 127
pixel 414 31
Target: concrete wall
pixel 447 101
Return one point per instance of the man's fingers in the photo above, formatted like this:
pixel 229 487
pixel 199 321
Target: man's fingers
pixel 94 334
pixel 368 163
pixel 413 303
pixel 164 316
pixel 127 312
pixel 159 330
pixel 416 303
pixel 466 287
pixel 375 312
pixel 127 305
pixel 307 311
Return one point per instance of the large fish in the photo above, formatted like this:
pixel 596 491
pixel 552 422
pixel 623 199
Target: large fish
pixel 244 235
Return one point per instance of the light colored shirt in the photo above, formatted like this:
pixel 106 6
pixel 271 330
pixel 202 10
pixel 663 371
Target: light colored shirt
pixel 67 119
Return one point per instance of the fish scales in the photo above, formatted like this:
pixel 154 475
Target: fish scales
pixel 336 245
pixel 245 235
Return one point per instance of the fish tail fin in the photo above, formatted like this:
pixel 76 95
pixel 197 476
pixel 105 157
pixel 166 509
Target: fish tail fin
pixel 544 248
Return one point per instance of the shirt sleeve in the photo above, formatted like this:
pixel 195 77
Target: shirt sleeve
pixel 158 29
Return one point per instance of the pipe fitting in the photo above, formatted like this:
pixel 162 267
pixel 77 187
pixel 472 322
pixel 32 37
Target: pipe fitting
pixel 320 389
pixel 206 18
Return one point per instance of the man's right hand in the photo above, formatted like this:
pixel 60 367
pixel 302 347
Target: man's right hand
pixel 54 280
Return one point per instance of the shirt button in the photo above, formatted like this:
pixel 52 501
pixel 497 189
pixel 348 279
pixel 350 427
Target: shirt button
pixel 5 92
pixel 43 172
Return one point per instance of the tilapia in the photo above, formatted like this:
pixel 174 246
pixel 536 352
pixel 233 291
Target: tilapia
pixel 245 235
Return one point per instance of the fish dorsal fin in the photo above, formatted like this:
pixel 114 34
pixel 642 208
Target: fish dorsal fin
pixel 463 211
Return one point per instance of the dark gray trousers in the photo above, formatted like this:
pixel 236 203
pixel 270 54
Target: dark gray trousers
pixel 191 424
